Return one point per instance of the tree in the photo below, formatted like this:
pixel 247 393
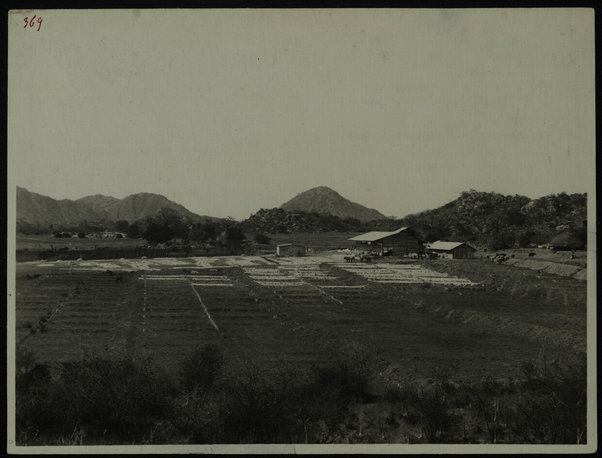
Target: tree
pixel 262 239
pixel 157 233
pixel 202 232
pixel 164 226
pixel 121 225
pixel 133 231
pixel 233 236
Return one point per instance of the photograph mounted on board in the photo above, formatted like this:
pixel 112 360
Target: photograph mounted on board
pixel 301 231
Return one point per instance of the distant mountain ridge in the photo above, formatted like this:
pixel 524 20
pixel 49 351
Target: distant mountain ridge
pixel 324 200
pixel 37 209
pixel 135 206
pixel 485 219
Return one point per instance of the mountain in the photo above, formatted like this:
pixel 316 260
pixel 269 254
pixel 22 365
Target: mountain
pixel 138 206
pixel 326 201
pixel 98 202
pixel 39 210
pixel 278 220
pixel 503 221
pixel 485 219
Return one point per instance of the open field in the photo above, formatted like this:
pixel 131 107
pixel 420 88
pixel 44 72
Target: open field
pixel 47 242
pixel 475 319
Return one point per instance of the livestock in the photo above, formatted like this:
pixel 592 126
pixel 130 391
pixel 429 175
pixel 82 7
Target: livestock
pixel 118 279
pixel 531 255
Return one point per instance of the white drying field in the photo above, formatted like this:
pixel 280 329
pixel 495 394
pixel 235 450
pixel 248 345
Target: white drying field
pixel 403 273
pixel 270 270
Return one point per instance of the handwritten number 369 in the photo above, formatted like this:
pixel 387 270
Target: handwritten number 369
pixel 31 22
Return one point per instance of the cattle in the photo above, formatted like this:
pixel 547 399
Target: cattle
pixel 349 258
pixel 118 279
pixel 531 255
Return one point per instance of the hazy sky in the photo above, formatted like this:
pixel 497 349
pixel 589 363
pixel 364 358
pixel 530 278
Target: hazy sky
pixel 227 112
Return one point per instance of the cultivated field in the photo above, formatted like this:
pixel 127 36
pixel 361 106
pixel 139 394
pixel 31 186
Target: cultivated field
pixel 472 319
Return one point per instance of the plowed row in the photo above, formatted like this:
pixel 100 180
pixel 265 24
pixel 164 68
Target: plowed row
pixel 298 313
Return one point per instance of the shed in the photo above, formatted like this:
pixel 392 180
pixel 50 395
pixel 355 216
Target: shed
pixel 290 249
pixel 402 241
pixel 451 250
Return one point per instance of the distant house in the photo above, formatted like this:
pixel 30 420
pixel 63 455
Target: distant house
pixel 402 241
pixel 451 250
pixel 111 235
pixel 290 249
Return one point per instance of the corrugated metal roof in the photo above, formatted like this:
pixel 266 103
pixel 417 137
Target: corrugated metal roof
pixel 375 235
pixel 441 245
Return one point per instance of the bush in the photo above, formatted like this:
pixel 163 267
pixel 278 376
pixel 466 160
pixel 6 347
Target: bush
pixel 262 239
pixel 106 401
pixel 568 241
pixel 552 405
pixel 202 368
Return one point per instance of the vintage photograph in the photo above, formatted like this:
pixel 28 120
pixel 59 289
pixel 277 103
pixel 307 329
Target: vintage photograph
pixel 301 231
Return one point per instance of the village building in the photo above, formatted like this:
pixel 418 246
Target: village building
pixel 451 250
pixel 290 249
pixel 402 241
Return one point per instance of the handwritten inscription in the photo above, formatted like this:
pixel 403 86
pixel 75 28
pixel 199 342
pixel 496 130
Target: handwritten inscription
pixel 33 21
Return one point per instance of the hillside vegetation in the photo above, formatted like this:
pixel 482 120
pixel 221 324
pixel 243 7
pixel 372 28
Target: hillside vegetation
pixel 486 219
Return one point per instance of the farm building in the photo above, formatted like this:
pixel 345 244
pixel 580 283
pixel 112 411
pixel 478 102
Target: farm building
pixel 290 249
pixel 402 241
pixel 451 250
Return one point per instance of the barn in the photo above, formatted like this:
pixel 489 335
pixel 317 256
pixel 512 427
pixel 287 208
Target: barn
pixel 290 249
pixel 451 250
pixel 402 241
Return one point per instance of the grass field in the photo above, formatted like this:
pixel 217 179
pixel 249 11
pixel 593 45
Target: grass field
pixel 473 319
pixel 48 242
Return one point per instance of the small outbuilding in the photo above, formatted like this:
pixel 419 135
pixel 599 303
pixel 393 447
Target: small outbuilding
pixel 290 249
pixel 451 250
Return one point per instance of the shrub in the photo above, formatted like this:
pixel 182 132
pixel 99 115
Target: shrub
pixel 202 368
pixel 552 404
pixel 262 239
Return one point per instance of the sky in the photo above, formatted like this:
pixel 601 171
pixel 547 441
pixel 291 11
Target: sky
pixel 230 111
